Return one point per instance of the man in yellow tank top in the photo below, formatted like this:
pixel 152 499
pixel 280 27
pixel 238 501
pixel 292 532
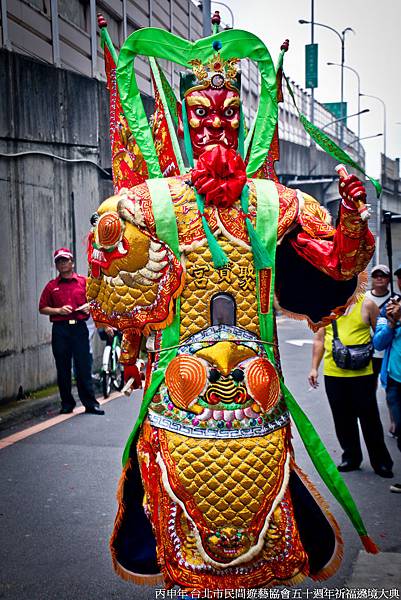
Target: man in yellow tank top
pixel 352 393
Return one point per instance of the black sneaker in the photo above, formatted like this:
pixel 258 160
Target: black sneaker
pixel 347 466
pixel 396 488
pixel 383 471
pixel 94 410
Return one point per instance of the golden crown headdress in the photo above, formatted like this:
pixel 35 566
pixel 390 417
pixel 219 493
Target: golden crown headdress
pixel 217 73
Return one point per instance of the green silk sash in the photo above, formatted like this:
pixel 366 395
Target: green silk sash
pixel 266 228
pixel 166 230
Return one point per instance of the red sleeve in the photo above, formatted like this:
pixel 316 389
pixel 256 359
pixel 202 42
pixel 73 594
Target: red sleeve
pixel 83 296
pixel 45 297
pixel 344 253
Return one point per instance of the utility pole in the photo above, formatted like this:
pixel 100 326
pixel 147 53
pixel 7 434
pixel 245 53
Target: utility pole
pixel 206 15
pixel 312 41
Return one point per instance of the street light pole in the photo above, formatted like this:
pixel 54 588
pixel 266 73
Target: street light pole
pixel 229 10
pixel 341 36
pixel 342 83
pixel 367 137
pixel 379 208
pixel 359 94
pixel 312 41
pixel 357 114
pixel 384 120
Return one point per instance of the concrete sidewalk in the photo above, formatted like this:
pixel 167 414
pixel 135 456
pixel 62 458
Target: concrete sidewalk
pixel 19 411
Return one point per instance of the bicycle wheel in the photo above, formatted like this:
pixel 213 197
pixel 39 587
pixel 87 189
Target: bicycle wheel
pixel 118 379
pixel 107 377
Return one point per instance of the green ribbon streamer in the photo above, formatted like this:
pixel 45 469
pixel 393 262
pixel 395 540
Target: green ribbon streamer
pixel 322 460
pixel 266 227
pixel 241 134
pixel 164 214
pixel 106 39
pixel 170 95
pixel 261 259
pixel 329 145
pixel 261 256
pixel 219 257
pixel 174 141
pixel 248 141
pixel 166 230
pixel 187 136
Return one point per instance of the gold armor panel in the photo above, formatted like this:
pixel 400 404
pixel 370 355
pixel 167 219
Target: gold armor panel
pixel 228 479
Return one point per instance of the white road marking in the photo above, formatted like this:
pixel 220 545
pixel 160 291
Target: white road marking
pixel 21 435
pixel 299 343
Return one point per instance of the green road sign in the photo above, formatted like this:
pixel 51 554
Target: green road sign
pixel 337 110
pixel 311 66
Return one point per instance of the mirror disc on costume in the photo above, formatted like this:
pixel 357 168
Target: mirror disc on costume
pixel 109 230
pixel 262 382
pixel 186 377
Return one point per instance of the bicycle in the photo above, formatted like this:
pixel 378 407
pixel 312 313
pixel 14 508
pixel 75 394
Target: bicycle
pixel 112 372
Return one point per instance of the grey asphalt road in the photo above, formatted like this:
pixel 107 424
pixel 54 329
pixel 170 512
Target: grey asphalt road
pixel 57 500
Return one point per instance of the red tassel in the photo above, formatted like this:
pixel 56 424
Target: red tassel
pixel 369 544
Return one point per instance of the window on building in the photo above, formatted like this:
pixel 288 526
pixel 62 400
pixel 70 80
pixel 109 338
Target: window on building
pixel 42 5
pixel 76 12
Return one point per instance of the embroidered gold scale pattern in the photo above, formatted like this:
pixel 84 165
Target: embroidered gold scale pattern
pixel 228 479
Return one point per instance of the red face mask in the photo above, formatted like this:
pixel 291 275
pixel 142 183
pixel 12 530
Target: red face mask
pixel 213 119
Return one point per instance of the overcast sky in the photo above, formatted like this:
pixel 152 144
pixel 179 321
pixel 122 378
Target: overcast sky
pixel 374 51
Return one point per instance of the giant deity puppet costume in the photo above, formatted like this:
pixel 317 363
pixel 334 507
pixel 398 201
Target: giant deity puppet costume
pixel 194 258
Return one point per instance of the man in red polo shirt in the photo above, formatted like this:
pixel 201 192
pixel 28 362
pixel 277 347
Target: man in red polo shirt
pixel 64 300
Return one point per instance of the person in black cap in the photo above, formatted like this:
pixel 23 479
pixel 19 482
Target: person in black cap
pixel 379 294
pixel 388 337
pixel 64 301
